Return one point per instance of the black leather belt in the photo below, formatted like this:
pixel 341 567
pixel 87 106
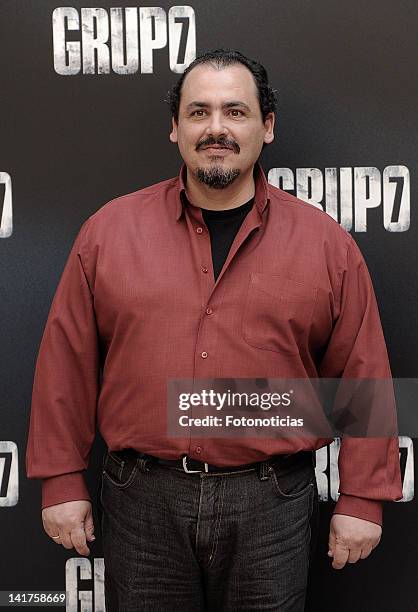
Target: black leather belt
pixel 194 466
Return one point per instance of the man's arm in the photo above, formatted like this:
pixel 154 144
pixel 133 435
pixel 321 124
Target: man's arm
pixel 368 467
pixel 66 383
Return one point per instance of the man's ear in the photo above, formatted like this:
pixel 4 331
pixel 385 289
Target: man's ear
pixel 269 127
pixel 173 134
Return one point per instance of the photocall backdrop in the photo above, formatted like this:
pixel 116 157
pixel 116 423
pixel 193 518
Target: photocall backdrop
pixel 83 120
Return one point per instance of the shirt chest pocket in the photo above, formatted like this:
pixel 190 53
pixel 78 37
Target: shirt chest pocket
pixel 277 313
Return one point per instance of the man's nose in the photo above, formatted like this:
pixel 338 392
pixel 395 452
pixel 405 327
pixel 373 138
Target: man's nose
pixel 217 125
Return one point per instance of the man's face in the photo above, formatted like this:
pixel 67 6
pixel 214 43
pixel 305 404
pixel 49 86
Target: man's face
pixel 220 130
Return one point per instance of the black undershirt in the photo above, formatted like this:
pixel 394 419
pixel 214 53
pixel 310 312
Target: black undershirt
pixel 223 226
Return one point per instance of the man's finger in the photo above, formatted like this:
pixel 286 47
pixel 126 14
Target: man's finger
pixel 340 556
pixel 51 531
pixel 55 539
pixel 331 544
pixel 366 550
pixel 66 540
pixel 89 529
pixel 354 555
pixel 78 538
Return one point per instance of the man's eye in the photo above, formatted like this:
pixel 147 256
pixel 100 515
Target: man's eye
pixel 234 111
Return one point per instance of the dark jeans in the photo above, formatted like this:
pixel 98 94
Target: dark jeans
pixel 206 542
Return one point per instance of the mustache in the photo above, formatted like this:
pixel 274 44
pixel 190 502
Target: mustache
pixel 222 142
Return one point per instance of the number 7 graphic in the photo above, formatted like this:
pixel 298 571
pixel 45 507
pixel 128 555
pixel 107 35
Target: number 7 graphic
pixel 6 225
pixel 9 474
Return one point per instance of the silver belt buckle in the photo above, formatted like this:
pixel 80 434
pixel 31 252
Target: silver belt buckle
pixel 185 468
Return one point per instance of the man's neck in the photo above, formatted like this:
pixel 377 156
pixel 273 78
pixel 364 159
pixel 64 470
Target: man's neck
pixel 236 194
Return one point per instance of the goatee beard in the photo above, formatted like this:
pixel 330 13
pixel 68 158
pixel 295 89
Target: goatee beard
pixel 217 177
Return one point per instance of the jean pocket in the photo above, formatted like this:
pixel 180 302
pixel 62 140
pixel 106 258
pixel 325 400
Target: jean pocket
pixel 292 482
pixel 119 469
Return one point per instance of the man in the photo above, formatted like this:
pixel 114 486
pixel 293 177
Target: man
pixel 214 273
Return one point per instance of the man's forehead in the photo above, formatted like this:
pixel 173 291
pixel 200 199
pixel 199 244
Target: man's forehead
pixel 235 80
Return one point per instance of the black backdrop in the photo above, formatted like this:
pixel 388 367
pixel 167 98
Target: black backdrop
pixel 346 76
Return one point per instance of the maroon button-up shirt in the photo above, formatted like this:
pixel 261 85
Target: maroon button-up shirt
pixel 133 300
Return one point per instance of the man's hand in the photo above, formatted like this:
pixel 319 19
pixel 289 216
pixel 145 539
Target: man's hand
pixel 351 539
pixel 73 522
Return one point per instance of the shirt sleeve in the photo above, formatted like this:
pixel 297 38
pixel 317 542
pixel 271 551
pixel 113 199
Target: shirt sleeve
pixel 369 467
pixel 65 388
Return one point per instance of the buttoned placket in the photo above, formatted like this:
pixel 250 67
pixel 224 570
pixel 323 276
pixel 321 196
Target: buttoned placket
pixel 211 292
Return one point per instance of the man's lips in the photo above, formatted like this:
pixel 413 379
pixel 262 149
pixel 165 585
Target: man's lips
pixel 217 149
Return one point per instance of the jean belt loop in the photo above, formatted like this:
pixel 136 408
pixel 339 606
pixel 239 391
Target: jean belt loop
pixel 142 464
pixel 263 470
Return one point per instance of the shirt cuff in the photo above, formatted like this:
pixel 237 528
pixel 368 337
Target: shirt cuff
pixel 64 488
pixel 360 507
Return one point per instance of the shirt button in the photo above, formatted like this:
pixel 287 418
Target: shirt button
pixel 204 354
pixel 209 310
pixel 198 449
pixel 199 230
pixel 204 269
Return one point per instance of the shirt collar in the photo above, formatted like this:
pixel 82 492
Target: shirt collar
pixel 260 197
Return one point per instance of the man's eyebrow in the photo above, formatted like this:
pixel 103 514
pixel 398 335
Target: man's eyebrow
pixel 231 104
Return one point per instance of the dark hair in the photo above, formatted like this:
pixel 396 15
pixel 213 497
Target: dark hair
pixel 219 59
